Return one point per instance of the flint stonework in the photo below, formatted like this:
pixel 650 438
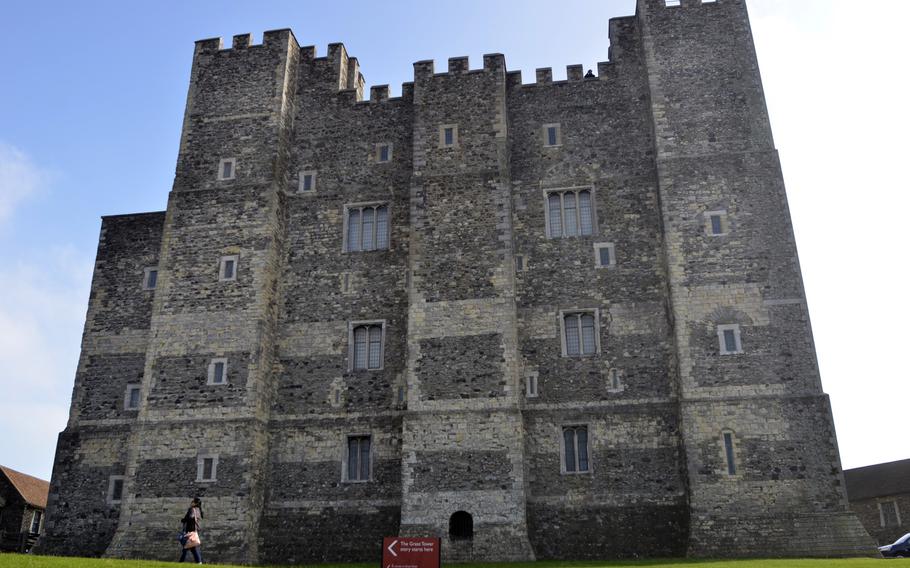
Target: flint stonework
pixel 445 361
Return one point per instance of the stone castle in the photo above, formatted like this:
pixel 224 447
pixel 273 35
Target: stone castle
pixel 562 319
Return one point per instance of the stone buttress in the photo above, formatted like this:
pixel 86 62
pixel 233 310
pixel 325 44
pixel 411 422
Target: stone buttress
pixel 239 107
pixel 760 406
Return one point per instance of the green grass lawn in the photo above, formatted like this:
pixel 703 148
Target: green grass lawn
pixel 29 561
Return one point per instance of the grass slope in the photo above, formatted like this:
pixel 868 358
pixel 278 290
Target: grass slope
pixel 29 561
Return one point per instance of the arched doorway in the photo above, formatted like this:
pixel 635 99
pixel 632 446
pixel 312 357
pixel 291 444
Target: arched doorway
pixel 461 526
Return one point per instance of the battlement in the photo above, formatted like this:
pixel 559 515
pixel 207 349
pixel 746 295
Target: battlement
pixel 271 38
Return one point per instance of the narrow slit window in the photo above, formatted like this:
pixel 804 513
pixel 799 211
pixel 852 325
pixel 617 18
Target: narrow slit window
pixel 227 169
pixel 716 228
pixel 218 369
pixel 551 135
pixel 227 270
pixel 531 389
pixel 307 181
pixel 150 282
pixel 35 527
pixel 384 152
pixel 604 255
pixel 449 136
pixel 132 397
pixel 728 453
pixel 206 468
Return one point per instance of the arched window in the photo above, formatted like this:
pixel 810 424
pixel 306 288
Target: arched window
pixel 461 526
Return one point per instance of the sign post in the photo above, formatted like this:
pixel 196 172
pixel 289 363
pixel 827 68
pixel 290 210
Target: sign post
pixel 410 552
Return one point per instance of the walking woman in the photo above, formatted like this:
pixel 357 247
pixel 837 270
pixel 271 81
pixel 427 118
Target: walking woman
pixel 191 524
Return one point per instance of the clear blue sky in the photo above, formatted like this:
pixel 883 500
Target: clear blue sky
pixel 92 102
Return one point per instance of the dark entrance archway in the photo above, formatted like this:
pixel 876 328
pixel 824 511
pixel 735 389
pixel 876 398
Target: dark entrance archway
pixel 461 526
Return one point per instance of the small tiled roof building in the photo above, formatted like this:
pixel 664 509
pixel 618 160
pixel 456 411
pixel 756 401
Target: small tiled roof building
pixel 23 499
pixel 880 496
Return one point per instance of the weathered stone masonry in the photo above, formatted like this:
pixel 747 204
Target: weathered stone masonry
pixel 475 400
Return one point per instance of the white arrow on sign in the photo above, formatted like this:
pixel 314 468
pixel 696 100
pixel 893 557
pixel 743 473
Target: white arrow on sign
pixel 394 542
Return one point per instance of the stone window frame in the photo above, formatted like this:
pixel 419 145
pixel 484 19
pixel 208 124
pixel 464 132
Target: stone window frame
pixel 726 433
pixel 881 511
pixel 532 384
pixel 377 152
pixel 612 248
pixel 37 519
pixel 561 316
pixel 737 337
pixel 130 388
pixel 221 163
pixel 363 205
pixel 562 448
pixel 301 179
pixel 221 264
pixel 723 221
pixel 614 380
pixel 111 484
pixel 345 458
pixel 200 467
pixel 545 135
pixel 562 190
pixel 146 277
pixel 352 325
pixel 521 263
pixel 442 136
pixel 211 372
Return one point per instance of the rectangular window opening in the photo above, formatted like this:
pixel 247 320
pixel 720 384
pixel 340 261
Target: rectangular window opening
pixel 449 136
pixel 151 278
pixel 115 489
pixel 307 181
pixel 36 522
pixel 671 3
pixel 728 452
pixel 575 449
pixel 531 389
pixel 570 213
pixel 368 228
pixel 890 516
pixel 227 169
pixel 579 334
pixel 729 338
pixel 358 466
pixel 366 352
pixel 385 152
pixel 132 397
pixel 206 468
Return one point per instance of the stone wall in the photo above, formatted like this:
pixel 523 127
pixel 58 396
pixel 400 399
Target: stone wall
pixel 466 410
pixel 870 515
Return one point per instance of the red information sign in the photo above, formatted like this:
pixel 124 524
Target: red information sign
pixel 410 552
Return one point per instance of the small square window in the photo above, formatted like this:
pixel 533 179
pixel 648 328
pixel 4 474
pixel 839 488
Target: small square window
pixel 576 449
pixel 448 135
pixel 131 400
pixel 218 369
pixel 716 223
pixel 227 268
pixel 115 489
pixel 207 467
pixel 150 278
pixel 366 346
pixel 580 332
pixel 227 169
pixel 358 458
pixel 729 337
pixel 383 152
pixel 552 135
pixel 306 181
pixel 604 255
